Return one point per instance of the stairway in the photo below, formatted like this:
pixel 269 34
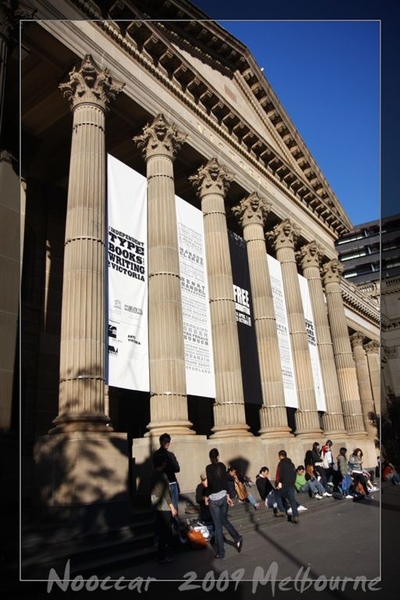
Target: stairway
pixel 53 545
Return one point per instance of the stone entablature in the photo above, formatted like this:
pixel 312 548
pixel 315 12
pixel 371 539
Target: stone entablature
pixel 150 43
pixel 354 299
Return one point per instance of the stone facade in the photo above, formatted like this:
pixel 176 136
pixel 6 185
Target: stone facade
pixel 206 128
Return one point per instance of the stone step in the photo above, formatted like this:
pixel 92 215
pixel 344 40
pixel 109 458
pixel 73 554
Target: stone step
pixel 133 544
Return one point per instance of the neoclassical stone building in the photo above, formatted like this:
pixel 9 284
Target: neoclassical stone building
pixel 184 105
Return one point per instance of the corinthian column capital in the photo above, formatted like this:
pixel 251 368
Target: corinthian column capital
pixel 212 178
pixel 160 137
pixel 88 84
pixel 332 271
pixel 310 255
pixel 11 12
pixel 284 235
pixel 357 339
pixel 252 210
pixel 372 347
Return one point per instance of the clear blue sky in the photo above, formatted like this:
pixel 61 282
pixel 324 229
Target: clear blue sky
pixel 327 76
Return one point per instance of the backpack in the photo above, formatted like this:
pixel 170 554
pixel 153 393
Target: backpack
pixel 197 541
pixel 338 495
pixel 357 496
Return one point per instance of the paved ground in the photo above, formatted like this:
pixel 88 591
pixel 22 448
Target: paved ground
pixel 337 539
pixel 342 539
pixel 359 541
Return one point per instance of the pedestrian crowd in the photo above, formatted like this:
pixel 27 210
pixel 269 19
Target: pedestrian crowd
pixel 321 476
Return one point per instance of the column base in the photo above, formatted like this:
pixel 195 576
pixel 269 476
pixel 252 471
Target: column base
pixel 84 474
pixel 358 435
pixel 172 427
pixel 335 435
pixel 309 433
pixel 81 422
pixel 280 432
pixel 229 431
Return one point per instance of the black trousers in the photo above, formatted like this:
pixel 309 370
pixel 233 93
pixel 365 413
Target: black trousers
pixel 162 527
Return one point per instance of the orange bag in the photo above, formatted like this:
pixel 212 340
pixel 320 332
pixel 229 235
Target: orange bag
pixel 196 539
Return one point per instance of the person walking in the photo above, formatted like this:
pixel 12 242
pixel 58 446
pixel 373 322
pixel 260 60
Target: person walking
pixel 204 511
pixel 218 499
pixel 161 503
pixel 172 467
pixel 285 483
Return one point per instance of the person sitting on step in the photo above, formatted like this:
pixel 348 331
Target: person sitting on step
pixel 306 483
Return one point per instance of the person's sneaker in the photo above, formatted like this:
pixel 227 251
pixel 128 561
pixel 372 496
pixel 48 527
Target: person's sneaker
pixel 280 514
pixel 368 497
pixel 295 520
pixel 349 497
pixel 374 489
pixel 166 560
pixel 302 508
pixel 327 495
pixel 239 544
pixel 219 556
pixel 274 505
pixel 318 496
pixel 289 511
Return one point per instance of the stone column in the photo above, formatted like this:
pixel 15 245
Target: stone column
pixel 11 214
pixel 82 356
pixel 364 383
pixel 160 142
pixel 252 213
pixel 284 237
pixel 345 367
pixel 372 349
pixel 309 257
pixel 212 182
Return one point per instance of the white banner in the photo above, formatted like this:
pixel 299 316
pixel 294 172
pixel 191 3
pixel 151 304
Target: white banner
pixel 285 347
pixel 199 361
pixel 312 344
pixel 128 354
pixel 127 278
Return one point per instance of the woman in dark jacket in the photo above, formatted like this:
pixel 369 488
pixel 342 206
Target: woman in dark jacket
pixel 218 499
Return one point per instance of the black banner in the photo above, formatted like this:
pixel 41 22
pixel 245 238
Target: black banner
pixel 244 316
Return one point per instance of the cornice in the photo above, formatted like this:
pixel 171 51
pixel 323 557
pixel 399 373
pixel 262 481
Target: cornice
pixel 150 42
pixel 390 285
pixel 359 303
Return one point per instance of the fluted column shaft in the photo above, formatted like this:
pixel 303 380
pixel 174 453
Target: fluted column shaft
pixel 333 421
pixel 82 353
pixel 283 238
pixel 345 367
pixel 212 181
pixel 252 213
pixel 364 383
pixel 374 365
pixel 168 401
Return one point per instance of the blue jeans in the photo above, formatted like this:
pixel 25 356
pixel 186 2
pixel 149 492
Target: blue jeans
pixel 313 486
pixel 346 483
pixel 219 514
pixel 289 494
pixel 174 491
